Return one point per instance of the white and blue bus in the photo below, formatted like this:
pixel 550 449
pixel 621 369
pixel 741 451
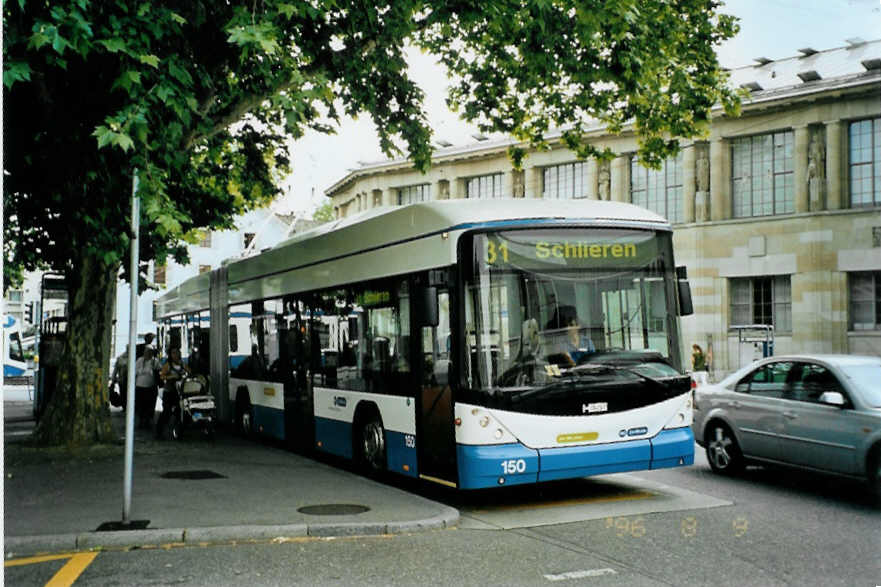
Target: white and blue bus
pixel 14 363
pixel 470 343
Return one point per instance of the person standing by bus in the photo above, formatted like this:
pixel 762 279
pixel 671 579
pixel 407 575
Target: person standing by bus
pixel 698 358
pixel 146 371
pixel 172 372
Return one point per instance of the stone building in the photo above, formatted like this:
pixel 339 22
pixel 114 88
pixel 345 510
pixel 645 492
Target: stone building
pixel 776 214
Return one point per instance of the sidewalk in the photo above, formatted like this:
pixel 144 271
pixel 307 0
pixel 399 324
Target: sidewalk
pixel 194 491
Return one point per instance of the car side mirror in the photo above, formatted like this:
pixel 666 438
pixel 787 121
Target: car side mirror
pixel 832 398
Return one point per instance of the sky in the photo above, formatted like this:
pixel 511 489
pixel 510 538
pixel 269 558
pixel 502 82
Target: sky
pixel 775 29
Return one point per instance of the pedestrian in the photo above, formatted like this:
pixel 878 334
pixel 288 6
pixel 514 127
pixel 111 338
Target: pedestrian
pixel 172 372
pixel 118 381
pixel 146 382
pixel 147 344
pixel 698 358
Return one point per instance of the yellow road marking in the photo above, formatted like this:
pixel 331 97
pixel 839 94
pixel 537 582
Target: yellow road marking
pixel 67 574
pixel 17 562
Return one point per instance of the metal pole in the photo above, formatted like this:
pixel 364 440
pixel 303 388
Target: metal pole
pixel 132 343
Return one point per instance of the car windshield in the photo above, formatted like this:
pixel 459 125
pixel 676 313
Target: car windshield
pixel 866 378
pixel 540 302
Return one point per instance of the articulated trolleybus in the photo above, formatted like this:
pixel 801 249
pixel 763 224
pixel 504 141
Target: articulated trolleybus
pixel 470 343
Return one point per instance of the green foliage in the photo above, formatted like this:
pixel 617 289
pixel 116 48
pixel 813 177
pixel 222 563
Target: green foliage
pixel 324 213
pixel 200 97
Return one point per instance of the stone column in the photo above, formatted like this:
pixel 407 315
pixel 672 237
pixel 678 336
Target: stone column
pixel 516 180
pixel 532 178
pixel 720 180
pixel 388 197
pixel 835 178
pixel 800 168
pixel 459 192
pixel 688 185
pixel 621 178
pixel 442 189
pixel 591 178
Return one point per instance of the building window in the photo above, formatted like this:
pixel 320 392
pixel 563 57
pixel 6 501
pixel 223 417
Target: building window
pixel 159 273
pixel 762 178
pixel 565 182
pixel 865 300
pixel 206 240
pixel 484 187
pixel 865 162
pixel 249 238
pixel 16 295
pixel 762 300
pixel 414 193
pixel 204 269
pixel 658 190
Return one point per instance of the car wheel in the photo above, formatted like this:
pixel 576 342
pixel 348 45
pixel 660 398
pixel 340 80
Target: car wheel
pixel 875 474
pixel 723 453
pixel 371 444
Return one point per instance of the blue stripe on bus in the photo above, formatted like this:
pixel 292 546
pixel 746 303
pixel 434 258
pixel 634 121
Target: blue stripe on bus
pixel 269 421
pixel 399 455
pixel 12 371
pixel 596 459
pixel 334 436
pixel 494 465
pixel 673 448
pixel 511 464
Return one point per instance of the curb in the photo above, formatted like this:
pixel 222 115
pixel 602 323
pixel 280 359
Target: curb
pixel 18 546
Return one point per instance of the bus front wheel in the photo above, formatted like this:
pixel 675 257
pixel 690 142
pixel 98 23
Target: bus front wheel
pixel 371 444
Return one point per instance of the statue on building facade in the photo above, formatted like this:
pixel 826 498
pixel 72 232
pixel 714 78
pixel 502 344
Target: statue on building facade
pixel 604 178
pixel 519 186
pixel 702 184
pixel 816 171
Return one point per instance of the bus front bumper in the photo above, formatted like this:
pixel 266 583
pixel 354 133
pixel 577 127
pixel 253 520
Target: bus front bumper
pixel 484 466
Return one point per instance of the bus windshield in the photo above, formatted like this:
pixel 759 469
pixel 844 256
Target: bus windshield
pixel 541 304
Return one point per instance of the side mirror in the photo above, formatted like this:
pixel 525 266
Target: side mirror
pixel 832 398
pixel 426 306
pixel 686 308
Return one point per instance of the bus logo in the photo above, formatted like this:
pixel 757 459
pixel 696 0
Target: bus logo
pixel 595 408
pixel 339 401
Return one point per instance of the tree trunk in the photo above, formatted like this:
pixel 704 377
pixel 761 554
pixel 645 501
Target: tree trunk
pixel 78 412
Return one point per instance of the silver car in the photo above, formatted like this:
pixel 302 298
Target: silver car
pixel 817 412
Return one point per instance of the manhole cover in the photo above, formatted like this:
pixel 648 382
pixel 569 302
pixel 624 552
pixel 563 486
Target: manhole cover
pixel 192 475
pixel 132 525
pixel 333 509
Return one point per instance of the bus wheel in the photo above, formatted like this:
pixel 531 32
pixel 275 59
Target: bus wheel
pixel 371 444
pixel 174 427
pixel 244 417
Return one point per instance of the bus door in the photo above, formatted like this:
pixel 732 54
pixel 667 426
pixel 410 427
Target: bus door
pixel 435 432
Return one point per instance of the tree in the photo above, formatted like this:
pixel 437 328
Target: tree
pixel 198 99
pixel 324 213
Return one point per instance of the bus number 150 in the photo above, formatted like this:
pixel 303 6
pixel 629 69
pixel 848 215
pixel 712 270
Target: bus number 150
pixel 512 466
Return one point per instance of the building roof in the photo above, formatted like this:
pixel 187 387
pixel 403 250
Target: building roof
pixel 812 71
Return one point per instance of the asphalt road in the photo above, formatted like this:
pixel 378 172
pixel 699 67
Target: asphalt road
pixel 765 527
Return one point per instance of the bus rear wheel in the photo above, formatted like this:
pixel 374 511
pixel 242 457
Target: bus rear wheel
pixel 371 444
